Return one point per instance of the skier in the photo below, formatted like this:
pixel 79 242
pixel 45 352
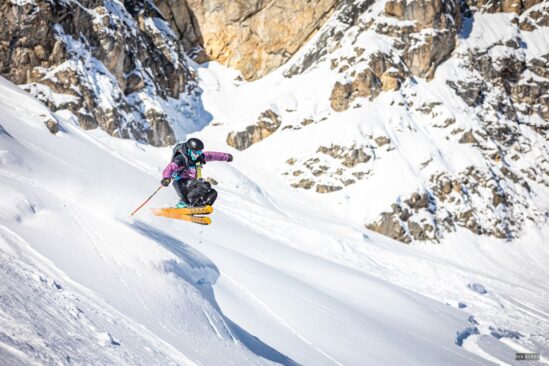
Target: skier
pixel 184 170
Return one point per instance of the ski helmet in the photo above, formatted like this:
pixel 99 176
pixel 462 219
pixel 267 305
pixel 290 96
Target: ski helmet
pixel 195 144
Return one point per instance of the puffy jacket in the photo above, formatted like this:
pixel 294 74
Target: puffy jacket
pixel 185 168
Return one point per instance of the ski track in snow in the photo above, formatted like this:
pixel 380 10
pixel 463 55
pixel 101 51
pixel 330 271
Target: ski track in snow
pixel 280 319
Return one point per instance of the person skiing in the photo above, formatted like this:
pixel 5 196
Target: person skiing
pixel 184 170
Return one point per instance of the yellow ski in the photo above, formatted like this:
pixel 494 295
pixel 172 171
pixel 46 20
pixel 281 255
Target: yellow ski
pixel 186 214
pixel 203 210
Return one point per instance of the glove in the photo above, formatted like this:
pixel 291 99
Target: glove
pixel 165 182
pixel 230 158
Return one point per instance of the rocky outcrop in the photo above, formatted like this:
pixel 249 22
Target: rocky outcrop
pixel 254 37
pixel 268 122
pixel 366 84
pixel 380 75
pixel 506 6
pixel 112 65
pixel 431 39
pixel 494 205
pixel 510 84
pixel 400 224
pixel 52 125
pixel 349 157
pixel 330 168
pixel 424 35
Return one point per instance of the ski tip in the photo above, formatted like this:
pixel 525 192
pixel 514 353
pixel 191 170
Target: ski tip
pixel 203 221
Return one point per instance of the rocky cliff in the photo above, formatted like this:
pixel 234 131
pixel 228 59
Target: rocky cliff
pixel 253 36
pixel 450 97
pixel 113 65
pixel 462 76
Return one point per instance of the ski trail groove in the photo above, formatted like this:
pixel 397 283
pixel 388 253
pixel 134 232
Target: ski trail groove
pixel 281 320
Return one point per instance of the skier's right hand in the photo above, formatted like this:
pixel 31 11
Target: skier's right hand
pixel 165 182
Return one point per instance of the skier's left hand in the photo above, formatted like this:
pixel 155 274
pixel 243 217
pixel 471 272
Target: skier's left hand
pixel 230 158
pixel 165 182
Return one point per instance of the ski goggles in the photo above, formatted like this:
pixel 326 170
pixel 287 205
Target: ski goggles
pixel 195 153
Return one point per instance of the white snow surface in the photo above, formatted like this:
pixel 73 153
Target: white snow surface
pixel 281 275
pixel 83 283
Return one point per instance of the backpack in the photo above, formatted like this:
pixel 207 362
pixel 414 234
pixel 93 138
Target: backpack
pixel 178 149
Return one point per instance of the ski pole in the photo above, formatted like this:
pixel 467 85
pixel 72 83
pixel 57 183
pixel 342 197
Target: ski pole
pixel 147 200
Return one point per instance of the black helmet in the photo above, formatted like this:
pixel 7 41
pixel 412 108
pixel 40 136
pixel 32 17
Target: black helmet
pixel 195 144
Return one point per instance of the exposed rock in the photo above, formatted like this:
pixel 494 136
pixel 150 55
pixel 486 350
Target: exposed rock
pixel 304 183
pixel 347 15
pixel 506 6
pixel 348 182
pixel 359 175
pixel 367 83
pixel 382 140
pixel 432 39
pixel 52 125
pixel 322 188
pixel 472 92
pixel 254 36
pixel 468 138
pixel 350 157
pixel 266 125
pixel 417 201
pixel 420 232
pixel 390 81
pixel 341 96
pixel 322 172
pixel 159 123
pixel 390 226
pixel 95 54
pixel 486 203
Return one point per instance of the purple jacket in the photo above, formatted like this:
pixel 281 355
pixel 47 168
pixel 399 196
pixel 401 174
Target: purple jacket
pixel 190 172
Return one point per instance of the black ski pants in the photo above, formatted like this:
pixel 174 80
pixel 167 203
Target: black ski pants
pixel 195 192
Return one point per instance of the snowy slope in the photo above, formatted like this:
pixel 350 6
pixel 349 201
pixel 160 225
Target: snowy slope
pixel 68 197
pixel 312 289
pixel 500 284
pixel 283 275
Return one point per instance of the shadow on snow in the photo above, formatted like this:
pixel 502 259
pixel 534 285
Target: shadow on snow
pixel 198 270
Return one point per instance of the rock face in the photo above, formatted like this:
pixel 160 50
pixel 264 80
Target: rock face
pixel 111 65
pixel 381 74
pixel 331 168
pixel 268 122
pixel 507 6
pixel 500 80
pixel 253 36
pixel 431 39
pixel 494 205
pixel 424 35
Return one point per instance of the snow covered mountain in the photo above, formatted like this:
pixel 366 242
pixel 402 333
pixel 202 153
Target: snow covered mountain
pixel 454 93
pixel 423 121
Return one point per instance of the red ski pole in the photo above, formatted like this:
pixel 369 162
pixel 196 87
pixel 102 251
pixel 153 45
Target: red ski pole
pixel 147 200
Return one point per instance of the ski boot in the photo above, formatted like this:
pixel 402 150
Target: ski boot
pixel 181 204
